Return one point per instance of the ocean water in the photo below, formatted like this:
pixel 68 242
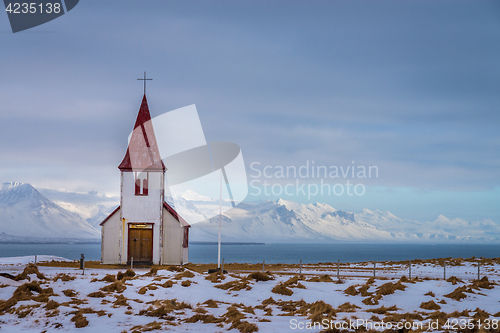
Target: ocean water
pixel 279 253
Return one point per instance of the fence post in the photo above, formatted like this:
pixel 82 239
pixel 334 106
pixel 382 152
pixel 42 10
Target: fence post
pixel 222 267
pixel 444 266
pixel 263 265
pixel 35 259
pixel 82 263
pixel 374 263
pixel 300 267
pixel 338 269
pixel 410 271
pixel 478 270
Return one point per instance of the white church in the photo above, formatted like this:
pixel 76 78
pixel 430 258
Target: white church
pixel 144 228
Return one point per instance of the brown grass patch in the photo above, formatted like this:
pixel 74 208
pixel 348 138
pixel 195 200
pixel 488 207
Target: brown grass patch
pixel 282 289
pixel 25 293
pixel 348 307
pixel 211 303
pixel 97 294
pixel 168 284
pixel 164 308
pixel 483 283
pixel 215 277
pixel 128 274
pixel 185 274
pixel 152 326
pixel 430 293
pixel 260 276
pixel 234 317
pixel 114 287
pixel 109 278
pixel 79 320
pixel 390 288
pixel 454 280
pixel 293 282
pixel 63 277
pixel 28 270
pixel 206 319
pixel 51 305
pixel 320 310
pixel 69 293
pixel 429 306
pixel 235 285
pixel 322 278
pixel 120 301
pixel 480 314
pixel 458 294
pixel 351 290
pixel 383 309
pixel 186 283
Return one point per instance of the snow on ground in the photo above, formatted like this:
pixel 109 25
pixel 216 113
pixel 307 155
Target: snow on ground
pixel 175 299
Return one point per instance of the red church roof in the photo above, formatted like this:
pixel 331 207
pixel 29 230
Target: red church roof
pixel 142 152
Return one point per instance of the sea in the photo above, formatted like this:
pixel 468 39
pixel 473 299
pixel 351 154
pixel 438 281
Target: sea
pixel 279 253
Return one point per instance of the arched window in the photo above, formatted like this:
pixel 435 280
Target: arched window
pixel 137 187
pixel 145 187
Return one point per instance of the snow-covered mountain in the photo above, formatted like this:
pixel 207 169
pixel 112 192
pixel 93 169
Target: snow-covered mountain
pixel 25 212
pixel 91 206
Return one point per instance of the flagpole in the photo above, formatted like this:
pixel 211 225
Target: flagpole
pixel 220 215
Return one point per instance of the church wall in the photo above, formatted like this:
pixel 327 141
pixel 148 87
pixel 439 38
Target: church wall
pixel 172 253
pixel 142 208
pixel 110 245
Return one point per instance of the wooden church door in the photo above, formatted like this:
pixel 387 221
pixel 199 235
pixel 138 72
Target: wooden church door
pixel 140 242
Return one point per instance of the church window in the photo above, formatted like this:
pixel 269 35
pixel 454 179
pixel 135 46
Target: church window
pixel 141 183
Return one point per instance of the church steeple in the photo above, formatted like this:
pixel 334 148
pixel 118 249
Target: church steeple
pixel 142 153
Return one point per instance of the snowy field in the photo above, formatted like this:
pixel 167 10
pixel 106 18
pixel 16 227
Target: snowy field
pixel 61 299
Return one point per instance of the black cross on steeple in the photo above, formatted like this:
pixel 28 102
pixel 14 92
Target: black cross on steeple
pixel 145 82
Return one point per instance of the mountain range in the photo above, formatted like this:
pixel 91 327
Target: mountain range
pixel 29 214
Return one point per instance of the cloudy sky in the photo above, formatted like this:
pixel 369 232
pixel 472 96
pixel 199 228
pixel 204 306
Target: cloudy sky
pixel 412 88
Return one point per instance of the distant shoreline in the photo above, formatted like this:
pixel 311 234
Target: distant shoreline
pixel 225 243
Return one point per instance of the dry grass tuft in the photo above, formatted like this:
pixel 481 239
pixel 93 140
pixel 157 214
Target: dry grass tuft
pixel 175 268
pixel 322 278
pixel 430 293
pixel 186 283
pixel 480 314
pixel 69 293
pixel 215 277
pixel 164 308
pixel 454 280
pixel 282 289
pixel 483 283
pixel 235 285
pixel 168 284
pixel 120 301
pixel 429 306
pixel 351 290
pixel 108 278
pixel 458 294
pixel 320 310
pixel 348 307
pixel 79 320
pixel 28 270
pixel 383 309
pixel 64 277
pixel 260 276
pixel 185 274
pixel 97 294
pixel 206 319
pixel 51 305
pixel 114 287
pixel 128 274
pixel 211 303
pixel 25 293
pixel 390 288
pixel 152 326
